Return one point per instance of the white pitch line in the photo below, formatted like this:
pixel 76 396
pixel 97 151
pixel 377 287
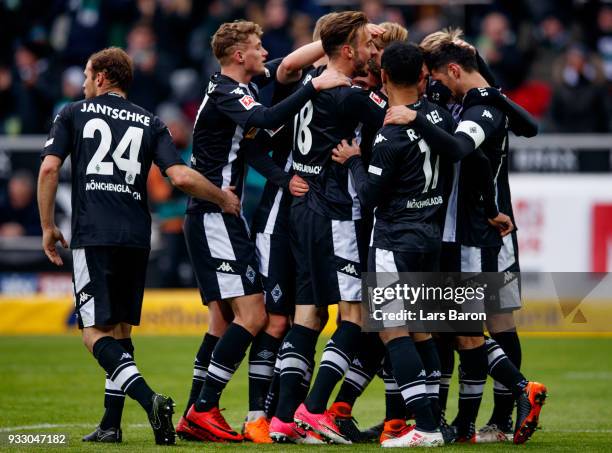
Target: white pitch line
pixel 144 425
pixel 61 425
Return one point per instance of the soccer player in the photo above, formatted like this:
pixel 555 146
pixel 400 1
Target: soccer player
pixel 219 246
pixel 112 144
pixel 324 226
pixel 472 245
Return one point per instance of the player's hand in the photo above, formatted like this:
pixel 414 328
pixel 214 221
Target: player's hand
pixel 298 186
pixel 344 151
pixel 231 202
pixel 400 114
pixel 375 30
pixel 330 78
pixel 50 237
pixel 502 223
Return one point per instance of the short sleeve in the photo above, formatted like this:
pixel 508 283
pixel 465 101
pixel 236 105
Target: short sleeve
pixel 165 154
pixel 59 142
pixel 480 122
pixel 269 75
pixel 235 102
pixel 383 163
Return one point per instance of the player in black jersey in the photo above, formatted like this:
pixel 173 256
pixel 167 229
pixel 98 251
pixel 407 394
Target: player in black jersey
pixel 324 225
pixel 112 144
pixel 368 358
pixel 220 248
pixel 486 127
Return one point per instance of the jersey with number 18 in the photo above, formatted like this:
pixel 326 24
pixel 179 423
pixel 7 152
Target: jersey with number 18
pixel 112 143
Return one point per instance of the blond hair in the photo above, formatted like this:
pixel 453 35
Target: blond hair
pixel 436 40
pixel 316 33
pixel 393 32
pixel 341 29
pixel 230 35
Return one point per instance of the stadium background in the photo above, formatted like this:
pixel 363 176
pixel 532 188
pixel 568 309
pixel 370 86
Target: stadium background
pixel 553 57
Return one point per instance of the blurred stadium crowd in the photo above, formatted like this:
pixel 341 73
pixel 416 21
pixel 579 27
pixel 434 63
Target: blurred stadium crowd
pixel 552 56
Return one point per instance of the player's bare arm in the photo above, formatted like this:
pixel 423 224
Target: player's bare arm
pixel 193 183
pixel 48 179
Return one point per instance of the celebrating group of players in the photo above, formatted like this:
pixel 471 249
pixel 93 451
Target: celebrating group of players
pixel 386 157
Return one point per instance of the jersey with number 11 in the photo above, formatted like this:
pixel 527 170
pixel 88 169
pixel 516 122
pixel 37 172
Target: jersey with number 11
pixel 112 143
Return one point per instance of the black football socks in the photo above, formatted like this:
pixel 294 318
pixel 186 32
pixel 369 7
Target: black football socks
pixel 296 356
pixel 200 368
pixel 122 371
pixel 431 362
pixel 472 377
pixel 410 376
pixel 394 403
pixel 335 361
pixel 114 397
pixel 446 353
pixel 509 381
pixel 367 362
pixel 262 358
pixel 226 357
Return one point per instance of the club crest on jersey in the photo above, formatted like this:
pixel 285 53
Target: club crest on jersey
pixel 378 100
pixel 248 102
pixel 379 139
pixel 237 90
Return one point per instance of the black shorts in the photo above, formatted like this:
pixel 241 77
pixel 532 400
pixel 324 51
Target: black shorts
pixel 327 260
pixel 222 255
pixel 461 258
pixel 387 263
pixel 108 284
pixel 277 269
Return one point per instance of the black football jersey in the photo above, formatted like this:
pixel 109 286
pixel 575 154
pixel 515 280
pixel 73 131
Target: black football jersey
pixel 411 177
pixel 111 143
pixel 331 115
pixel 466 222
pixel 219 130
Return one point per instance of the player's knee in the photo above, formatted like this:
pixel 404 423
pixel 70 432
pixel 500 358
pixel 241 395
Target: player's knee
pixel 277 325
pixel 350 312
pixel 470 342
pixel 309 316
pixel 500 322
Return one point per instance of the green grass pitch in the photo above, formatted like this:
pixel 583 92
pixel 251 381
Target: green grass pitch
pixel 52 385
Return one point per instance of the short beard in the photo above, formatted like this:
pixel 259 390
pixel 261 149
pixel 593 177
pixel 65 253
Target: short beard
pixel 374 69
pixel 360 68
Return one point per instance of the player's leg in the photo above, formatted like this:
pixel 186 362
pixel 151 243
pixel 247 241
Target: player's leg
pixel 445 345
pixel 296 357
pixel 410 377
pixel 109 429
pixel 426 347
pixel 109 286
pixel 220 316
pixel 225 254
pixel 276 266
pixel 365 365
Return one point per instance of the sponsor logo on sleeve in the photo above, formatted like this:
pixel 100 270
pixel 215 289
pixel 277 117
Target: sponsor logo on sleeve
pixel 378 100
pixel 248 102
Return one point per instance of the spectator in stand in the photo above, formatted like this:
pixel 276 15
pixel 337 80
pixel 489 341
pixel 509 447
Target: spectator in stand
pixel 18 209
pixel 8 118
pixel 580 100
pixel 72 87
pixel 150 86
pixel 603 39
pixel 34 88
pixel 169 206
pixel 276 39
pixel 551 40
pixel 497 45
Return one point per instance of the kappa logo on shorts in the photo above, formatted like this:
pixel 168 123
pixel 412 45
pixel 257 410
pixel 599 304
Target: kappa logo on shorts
pixel 422 374
pixel 357 362
pixel 276 293
pixel 287 345
pixel 487 114
pixel 349 269
pixel 225 267
pixel 250 274
pixel 84 297
pixel 125 355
